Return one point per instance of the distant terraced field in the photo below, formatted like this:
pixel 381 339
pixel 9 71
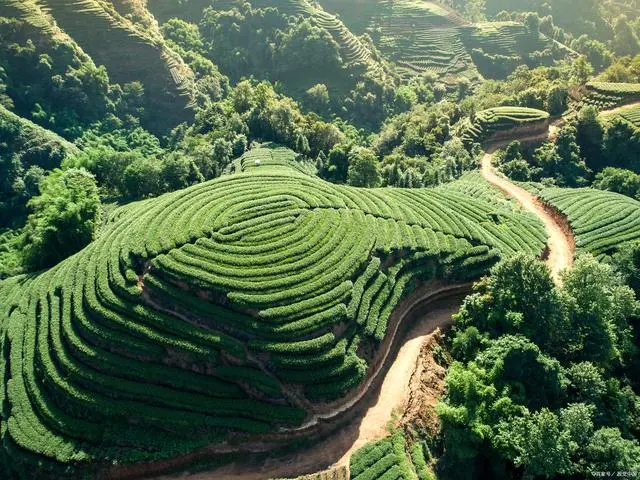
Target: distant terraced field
pixel 420 37
pixel 426 37
pixel 601 221
pixel 631 114
pixel 131 52
pixel 229 307
pixel 606 96
pixel 501 121
pixel 352 49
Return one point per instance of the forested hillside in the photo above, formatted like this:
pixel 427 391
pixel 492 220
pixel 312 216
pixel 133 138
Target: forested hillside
pixel 235 236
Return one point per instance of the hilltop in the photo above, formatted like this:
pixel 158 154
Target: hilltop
pixel 265 288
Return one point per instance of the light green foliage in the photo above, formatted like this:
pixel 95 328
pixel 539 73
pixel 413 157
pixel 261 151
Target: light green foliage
pixel 191 313
pixel 602 221
pixel 65 217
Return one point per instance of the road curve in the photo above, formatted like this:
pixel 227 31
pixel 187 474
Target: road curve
pixel 336 450
pixel 351 423
pixel 560 243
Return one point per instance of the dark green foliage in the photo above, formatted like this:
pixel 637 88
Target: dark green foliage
pixel 622 145
pixel 65 217
pixel 544 407
pixel 618 180
pixel 562 160
pixel 26 151
pixel 65 89
pixel 627 262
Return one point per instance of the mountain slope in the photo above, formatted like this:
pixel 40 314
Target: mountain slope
pixel 231 306
pixel 129 51
pixel 427 37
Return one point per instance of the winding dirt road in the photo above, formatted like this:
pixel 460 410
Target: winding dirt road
pixel 336 450
pixel 560 242
pixel 345 426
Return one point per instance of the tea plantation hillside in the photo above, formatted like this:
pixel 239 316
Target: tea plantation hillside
pixel 601 221
pixel 487 124
pixel 230 306
pixel 630 114
pixel 33 144
pixel 356 56
pixel 423 37
pixel 388 459
pixel 129 50
pixel 610 95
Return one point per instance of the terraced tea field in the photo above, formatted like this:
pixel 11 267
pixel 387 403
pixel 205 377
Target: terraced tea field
pixel 425 37
pixel 630 113
pixel 339 473
pixel 231 306
pixel 129 51
pixel 501 121
pixel 607 96
pixel 601 221
pixel 386 459
pixel 419 37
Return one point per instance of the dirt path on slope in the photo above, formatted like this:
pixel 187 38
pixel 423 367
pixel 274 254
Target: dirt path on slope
pixel 560 243
pixel 419 320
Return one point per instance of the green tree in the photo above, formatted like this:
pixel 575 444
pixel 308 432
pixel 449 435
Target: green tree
pixel 590 136
pixel 519 297
pixel 625 40
pixel 609 452
pixel 65 217
pixel 627 261
pixel 618 180
pixel 363 168
pixel 538 443
pixel 599 309
pixel 337 165
pixel 557 99
pixel 180 171
pixel 108 166
pixel 143 178
pixel 532 23
pixel 309 48
pixel 562 161
pixel 622 145
pixel 317 98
